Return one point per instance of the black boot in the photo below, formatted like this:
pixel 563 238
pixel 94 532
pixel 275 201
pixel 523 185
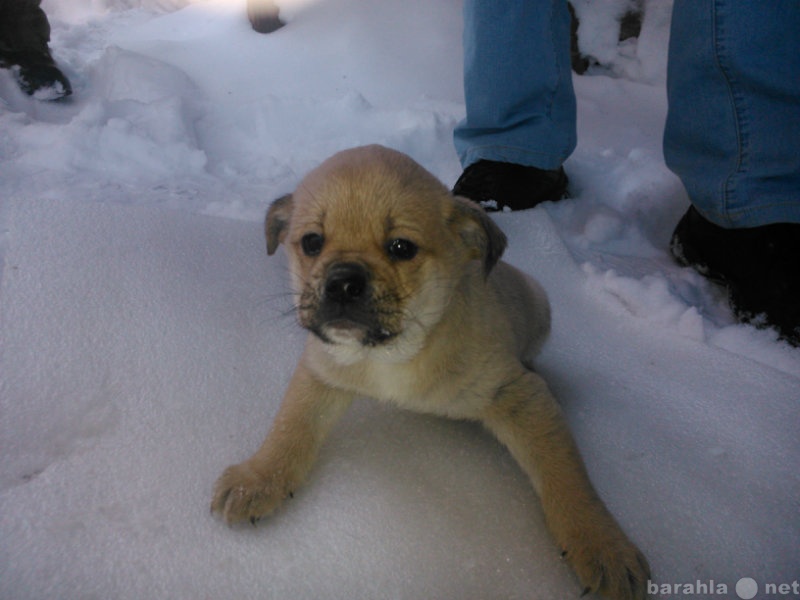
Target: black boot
pixel 24 35
pixel 760 266
pixel 264 15
pixel 507 186
pixel 41 80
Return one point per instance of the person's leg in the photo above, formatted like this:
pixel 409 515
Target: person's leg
pixel 517 83
pixel 733 137
pixel 733 128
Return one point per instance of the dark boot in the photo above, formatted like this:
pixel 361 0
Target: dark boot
pixel 24 37
pixel 42 81
pixel 264 15
pixel 506 186
pixel 760 266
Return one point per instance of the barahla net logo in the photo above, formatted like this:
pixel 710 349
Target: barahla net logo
pixel 746 588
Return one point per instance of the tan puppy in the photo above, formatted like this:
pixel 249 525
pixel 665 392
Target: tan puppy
pixel 400 286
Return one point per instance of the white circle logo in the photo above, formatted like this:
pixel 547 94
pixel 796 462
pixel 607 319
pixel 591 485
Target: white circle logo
pixel 746 588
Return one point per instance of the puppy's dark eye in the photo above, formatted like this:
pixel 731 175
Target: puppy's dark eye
pixel 401 249
pixel 312 243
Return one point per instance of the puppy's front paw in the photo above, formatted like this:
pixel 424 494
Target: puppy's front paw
pixel 610 565
pixel 241 493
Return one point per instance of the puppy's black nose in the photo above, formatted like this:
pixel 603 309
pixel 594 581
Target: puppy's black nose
pixel 346 282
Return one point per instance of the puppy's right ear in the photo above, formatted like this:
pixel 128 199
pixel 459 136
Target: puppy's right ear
pixel 277 221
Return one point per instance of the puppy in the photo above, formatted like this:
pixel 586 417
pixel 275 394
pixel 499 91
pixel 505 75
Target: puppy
pixel 401 287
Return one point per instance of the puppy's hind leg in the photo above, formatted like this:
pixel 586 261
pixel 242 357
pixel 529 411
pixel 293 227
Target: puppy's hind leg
pixel 256 487
pixel 526 418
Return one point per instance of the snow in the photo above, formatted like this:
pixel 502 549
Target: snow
pixel 146 337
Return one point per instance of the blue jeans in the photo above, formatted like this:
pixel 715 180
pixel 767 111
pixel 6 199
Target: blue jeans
pixel 733 128
pixel 517 83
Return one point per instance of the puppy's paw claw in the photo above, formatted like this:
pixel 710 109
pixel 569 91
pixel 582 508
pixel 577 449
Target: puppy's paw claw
pixel 242 494
pixel 613 568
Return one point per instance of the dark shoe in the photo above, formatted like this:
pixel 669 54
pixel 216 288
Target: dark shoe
pixel 264 16
pixel 508 186
pixel 43 81
pixel 760 267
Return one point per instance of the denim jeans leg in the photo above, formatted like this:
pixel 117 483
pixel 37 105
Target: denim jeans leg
pixel 733 127
pixel 517 83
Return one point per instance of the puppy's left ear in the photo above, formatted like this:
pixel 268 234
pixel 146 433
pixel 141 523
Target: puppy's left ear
pixel 480 234
pixel 275 225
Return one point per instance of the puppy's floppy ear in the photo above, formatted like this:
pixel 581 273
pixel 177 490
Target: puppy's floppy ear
pixel 479 233
pixel 277 221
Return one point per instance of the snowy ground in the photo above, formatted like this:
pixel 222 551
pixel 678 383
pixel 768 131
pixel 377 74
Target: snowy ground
pixel 146 338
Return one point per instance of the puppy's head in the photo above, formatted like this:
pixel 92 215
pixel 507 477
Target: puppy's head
pixel 377 246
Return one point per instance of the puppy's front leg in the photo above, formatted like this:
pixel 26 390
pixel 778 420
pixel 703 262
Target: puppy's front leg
pixel 256 487
pixel 526 418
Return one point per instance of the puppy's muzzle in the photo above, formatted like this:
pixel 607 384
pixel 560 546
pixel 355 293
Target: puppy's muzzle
pixel 346 283
pixel 346 309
